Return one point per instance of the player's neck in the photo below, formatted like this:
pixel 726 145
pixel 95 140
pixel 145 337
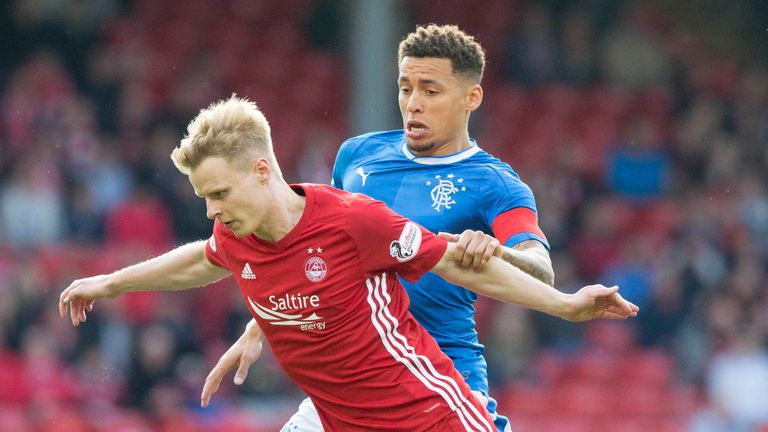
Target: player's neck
pixel 284 216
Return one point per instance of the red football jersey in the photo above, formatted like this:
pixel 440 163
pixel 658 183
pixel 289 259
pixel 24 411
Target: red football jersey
pixel 336 317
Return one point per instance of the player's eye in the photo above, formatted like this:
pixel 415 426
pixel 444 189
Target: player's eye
pixel 431 92
pixel 404 90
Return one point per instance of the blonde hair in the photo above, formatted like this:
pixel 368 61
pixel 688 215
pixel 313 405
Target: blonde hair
pixel 234 129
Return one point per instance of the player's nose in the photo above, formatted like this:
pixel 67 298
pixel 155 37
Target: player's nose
pixel 414 103
pixel 211 210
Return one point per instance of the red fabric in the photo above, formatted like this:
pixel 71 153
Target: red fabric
pixel 516 221
pixel 336 317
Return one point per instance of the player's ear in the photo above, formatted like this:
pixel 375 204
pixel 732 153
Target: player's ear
pixel 474 97
pixel 261 168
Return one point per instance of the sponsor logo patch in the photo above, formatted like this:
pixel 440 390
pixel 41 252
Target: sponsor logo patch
pixel 408 245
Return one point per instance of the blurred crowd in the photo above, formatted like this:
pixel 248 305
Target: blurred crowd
pixel 642 128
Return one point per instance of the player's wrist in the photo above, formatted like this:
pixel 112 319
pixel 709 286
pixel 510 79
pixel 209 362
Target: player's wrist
pixel 252 330
pixel 567 307
pixel 112 285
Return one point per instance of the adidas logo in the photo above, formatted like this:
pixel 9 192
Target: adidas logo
pixel 247 272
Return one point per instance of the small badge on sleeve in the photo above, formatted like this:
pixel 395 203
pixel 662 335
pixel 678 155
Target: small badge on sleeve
pixel 408 245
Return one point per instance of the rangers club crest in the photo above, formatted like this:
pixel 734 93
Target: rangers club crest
pixel 443 191
pixel 315 269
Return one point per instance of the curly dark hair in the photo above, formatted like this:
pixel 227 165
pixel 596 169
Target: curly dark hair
pixel 445 41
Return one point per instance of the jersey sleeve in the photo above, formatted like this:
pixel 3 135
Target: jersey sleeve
pixel 386 240
pixel 213 251
pixel 341 163
pixel 512 212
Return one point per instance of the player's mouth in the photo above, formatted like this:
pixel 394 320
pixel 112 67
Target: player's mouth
pixel 229 224
pixel 415 130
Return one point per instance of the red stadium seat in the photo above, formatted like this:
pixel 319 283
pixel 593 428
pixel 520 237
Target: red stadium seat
pixel 647 367
pixel 582 398
pixel 525 399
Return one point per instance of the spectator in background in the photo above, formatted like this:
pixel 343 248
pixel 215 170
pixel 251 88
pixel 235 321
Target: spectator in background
pixel 638 167
pixel 633 269
pixel 31 203
pixel 578 63
pixel 737 383
pixel 632 55
pixel 531 58
pixel 141 223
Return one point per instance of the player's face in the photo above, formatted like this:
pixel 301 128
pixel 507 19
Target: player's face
pixel 435 105
pixel 232 196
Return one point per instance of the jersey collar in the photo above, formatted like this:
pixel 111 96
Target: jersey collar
pixel 442 160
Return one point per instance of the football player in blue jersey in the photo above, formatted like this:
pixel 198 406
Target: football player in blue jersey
pixel 432 172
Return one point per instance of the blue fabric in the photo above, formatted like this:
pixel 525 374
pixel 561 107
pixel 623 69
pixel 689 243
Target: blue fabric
pixel 466 190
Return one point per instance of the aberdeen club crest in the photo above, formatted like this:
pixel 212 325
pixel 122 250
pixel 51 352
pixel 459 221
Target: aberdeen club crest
pixel 315 267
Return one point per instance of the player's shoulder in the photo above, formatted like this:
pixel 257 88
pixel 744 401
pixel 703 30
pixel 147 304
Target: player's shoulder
pixel 496 170
pixel 338 202
pixel 377 139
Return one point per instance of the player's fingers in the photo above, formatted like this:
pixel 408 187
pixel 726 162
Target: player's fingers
pixel 470 239
pixel 469 256
pixel 463 244
pixel 613 316
pixel 480 243
pixel 617 300
pixel 490 250
pixel 602 292
pixel 62 306
pixel 448 236
pixel 211 385
pixel 73 313
pixel 242 372
pixel 618 313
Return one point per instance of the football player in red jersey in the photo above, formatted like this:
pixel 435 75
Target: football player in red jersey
pixel 317 268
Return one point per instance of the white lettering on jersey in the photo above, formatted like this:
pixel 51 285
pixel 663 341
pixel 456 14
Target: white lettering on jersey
pixel 289 301
pixel 212 243
pixel 409 243
pixel 362 174
pixel 247 272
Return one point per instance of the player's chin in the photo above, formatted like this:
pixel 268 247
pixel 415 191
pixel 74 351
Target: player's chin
pixel 419 146
pixel 237 230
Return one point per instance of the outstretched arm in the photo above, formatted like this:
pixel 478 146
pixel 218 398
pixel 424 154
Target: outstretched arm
pixel 182 268
pixel 509 284
pixel 531 257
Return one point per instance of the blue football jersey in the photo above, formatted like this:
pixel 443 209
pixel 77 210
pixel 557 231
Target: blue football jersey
pixel 466 190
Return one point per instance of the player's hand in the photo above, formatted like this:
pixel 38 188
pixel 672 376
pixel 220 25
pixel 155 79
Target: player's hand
pixel 473 248
pixel 80 296
pixel 599 301
pixel 241 355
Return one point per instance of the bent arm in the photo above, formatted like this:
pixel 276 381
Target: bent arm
pixel 181 268
pixel 184 267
